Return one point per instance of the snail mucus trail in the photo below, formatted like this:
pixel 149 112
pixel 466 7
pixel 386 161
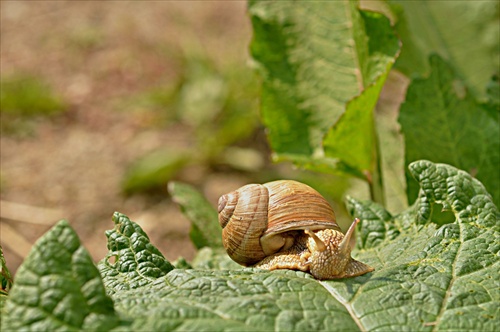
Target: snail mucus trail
pixel 286 225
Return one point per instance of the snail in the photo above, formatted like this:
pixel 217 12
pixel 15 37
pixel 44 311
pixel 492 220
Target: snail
pixel 286 225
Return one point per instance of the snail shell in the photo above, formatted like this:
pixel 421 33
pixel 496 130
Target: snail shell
pixel 286 225
pixel 259 220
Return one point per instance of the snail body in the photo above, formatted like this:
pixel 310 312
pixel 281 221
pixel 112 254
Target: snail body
pixel 286 225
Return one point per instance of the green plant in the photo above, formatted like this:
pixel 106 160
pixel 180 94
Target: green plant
pixel 450 126
pixel 24 98
pixel 320 89
pixel 324 65
pixel 427 277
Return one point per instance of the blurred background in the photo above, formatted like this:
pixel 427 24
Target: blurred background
pixel 103 103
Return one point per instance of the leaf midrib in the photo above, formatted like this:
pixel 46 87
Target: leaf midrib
pixel 347 305
pixel 358 71
pixel 452 281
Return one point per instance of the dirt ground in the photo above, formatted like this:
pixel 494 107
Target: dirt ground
pixel 94 54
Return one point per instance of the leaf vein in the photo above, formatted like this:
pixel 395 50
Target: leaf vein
pixel 452 280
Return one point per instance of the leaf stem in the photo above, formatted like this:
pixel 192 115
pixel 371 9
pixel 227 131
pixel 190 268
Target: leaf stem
pixel 376 182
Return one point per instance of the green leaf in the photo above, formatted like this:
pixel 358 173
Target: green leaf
pixel 432 278
pixel 352 139
pixel 442 122
pixel 243 300
pixel 205 229
pixel 320 164
pixel 428 277
pixel 214 259
pixel 315 57
pixel 492 104
pixel 181 263
pixel 203 90
pixel 376 226
pixel 465 33
pixel 23 99
pixel 132 261
pixel 154 169
pixel 28 96
pixel 58 287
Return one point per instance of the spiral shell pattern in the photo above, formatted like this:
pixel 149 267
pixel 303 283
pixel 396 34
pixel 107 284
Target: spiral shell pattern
pixel 243 218
pixel 260 220
pixel 294 205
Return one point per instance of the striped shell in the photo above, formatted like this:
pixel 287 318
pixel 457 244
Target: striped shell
pixel 260 220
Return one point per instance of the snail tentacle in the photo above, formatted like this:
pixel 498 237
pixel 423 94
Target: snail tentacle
pixel 320 245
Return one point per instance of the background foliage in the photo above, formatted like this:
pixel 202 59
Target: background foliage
pixel 335 96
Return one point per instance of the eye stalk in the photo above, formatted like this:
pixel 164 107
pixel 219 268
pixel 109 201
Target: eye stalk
pixel 329 255
pixel 344 247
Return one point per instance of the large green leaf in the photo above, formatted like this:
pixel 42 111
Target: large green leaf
pixel 353 139
pixel 428 277
pixel 442 122
pixel 58 287
pixel 315 57
pixel 465 33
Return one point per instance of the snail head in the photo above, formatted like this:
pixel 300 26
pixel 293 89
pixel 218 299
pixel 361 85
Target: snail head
pixel 331 254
